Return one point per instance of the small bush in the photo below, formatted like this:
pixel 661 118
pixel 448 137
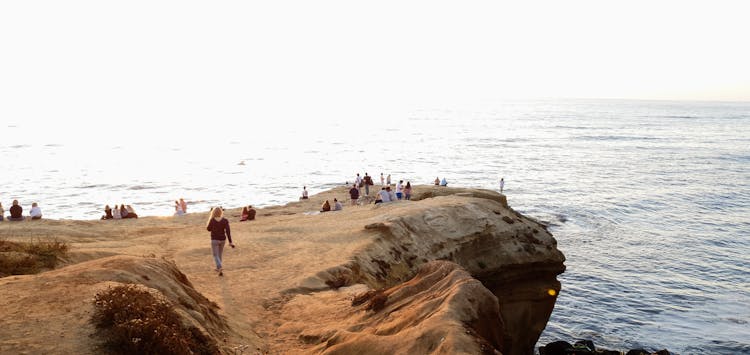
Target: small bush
pixel 136 322
pixel 22 258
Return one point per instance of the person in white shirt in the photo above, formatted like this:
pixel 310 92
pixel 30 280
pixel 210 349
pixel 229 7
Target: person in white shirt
pixel 116 213
pixel 337 205
pixel 36 212
pixel 382 180
pixel 358 183
pixel 304 193
pixel 391 194
pixel 400 189
pixel 384 195
pixel 502 184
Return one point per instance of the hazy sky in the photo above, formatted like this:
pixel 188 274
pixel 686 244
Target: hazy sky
pixel 150 62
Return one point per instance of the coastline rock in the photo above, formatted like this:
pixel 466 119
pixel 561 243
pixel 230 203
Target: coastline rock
pixel 478 266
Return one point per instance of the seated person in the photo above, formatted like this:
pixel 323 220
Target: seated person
pixel 36 212
pixel 304 193
pixel 123 212
pixel 131 212
pixel 16 212
pixel 107 213
pixel 378 199
pixel 116 213
pixel 444 182
pixel 384 195
pixel 391 194
pixel 337 205
pixel 437 181
pixel 326 207
pixel 248 214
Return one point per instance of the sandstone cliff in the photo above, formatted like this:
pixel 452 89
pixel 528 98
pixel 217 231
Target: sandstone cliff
pixel 290 285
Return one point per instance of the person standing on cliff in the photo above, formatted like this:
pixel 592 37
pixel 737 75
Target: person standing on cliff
pixel 368 182
pixel 354 194
pixel 382 180
pixel 219 228
pixel 502 184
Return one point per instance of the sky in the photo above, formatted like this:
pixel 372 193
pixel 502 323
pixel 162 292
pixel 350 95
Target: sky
pixel 187 65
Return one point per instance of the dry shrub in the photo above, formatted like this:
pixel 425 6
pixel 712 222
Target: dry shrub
pixel 22 258
pixel 136 322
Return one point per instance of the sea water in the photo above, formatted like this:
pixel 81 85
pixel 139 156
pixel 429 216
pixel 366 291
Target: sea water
pixel 649 200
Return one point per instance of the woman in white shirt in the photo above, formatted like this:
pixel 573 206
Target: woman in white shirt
pixel 36 212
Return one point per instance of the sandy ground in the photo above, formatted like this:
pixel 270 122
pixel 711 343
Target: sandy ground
pixel 277 252
pixel 269 273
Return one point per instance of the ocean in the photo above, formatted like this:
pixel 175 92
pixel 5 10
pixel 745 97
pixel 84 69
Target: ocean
pixel 649 200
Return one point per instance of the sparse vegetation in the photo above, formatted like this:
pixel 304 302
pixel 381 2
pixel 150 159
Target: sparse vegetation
pixel 134 321
pixel 21 258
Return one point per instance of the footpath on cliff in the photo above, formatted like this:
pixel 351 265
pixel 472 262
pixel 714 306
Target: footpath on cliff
pixel 453 271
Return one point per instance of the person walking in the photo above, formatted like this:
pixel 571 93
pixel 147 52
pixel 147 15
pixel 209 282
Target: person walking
pixel 354 194
pixel 220 232
pixel 388 180
pixel 502 184
pixel 382 180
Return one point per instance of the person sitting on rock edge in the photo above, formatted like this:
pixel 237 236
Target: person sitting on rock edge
pixel 107 213
pixel 326 207
pixel 437 181
pixel 337 205
pixel 35 212
pixel 16 212
pixel 444 182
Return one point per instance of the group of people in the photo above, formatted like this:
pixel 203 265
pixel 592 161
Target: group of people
pixel 119 212
pixel 248 213
pixel 386 194
pixel 16 212
pixel 180 207
pixel 337 206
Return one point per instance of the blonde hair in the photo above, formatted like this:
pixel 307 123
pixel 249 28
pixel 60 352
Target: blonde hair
pixel 216 212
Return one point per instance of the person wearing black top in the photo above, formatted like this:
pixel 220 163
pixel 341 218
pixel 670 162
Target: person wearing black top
pixel 107 213
pixel 219 228
pixel 354 194
pixel 16 212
